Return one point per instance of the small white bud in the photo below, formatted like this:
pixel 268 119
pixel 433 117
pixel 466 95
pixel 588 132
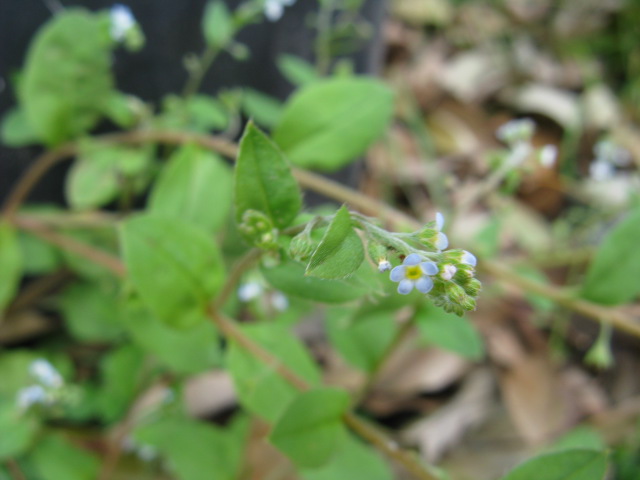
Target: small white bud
pixel 548 155
pixel 44 372
pixel 384 265
pixel 448 271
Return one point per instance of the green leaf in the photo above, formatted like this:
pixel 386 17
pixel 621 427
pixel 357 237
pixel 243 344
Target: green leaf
pixel 611 277
pixel 196 450
pixel 263 180
pixel 10 263
pixel 91 312
pixel 66 82
pixel 56 458
pixel 310 430
pixel 329 123
pixel 175 267
pixel 290 278
pixel 260 388
pixel 188 350
pixel 14 366
pixel 38 256
pixel 580 437
pixel 353 460
pixel 564 465
pixel 197 113
pixel 340 252
pixel 120 378
pixel 217 24
pixel 363 337
pixel 194 186
pixel 19 429
pixel 15 130
pixel 265 110
pixel 450 332
pixel 297 70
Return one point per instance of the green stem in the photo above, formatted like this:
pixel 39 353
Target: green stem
pixel 197 75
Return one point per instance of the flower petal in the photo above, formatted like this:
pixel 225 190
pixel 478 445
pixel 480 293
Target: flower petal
pixel 424 284
pixel 429 268
pixel 442 241
pixel 405 287
pixel 413 259
pixel 439 221
pixel 398 273
pixel 468 258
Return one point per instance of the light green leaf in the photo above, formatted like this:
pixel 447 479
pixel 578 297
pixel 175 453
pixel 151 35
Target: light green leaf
pixel 56 458
pixel 580 437
pixel 363 337
pixel 260 388
pixel 612 276
pixel 187 350
pixel 353 460
pixel 175 267
pixel 14 366
pixel 340 251
pixel 310 430
pixel 120 110
pixel 196 450
pixel 290 278
pixel 10 264
pixel 265 110
pixel 450 332
pixel 66 82
pixel 297 70
pixel 263 180
pixel 15 130
pixel 119 370
pixel 217 24
pixel 38 257
pixel 205 113
pixel 194 186
pixel 19 429
pixel 564 465
pixel 329 123
pixel 91 312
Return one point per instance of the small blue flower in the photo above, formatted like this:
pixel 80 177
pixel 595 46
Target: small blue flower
pixel 468 258
pixel 414 273
pixel 442 242
pixel 45 373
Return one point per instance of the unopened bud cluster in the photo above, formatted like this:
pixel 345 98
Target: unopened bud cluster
pixel 258 229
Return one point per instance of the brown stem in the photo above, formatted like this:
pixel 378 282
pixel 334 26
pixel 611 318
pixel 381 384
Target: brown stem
pixel 14 469
pixel 37 289
pixel 234 276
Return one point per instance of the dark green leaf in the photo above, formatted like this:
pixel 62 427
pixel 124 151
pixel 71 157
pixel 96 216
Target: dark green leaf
pixel 310 430
pixel 340 251
pixel 450 332
pixel 66 82
pixel 297 70
pixel 261 389
pixel 291 279
pixel 217 24
pixel 194 186
pixel 563 465
pixel 185 351
pixel 56 458
pixel 263 180
pixel 10 263
pixel 353 460
pixel 91 312
pixel 612 276
pixel 265 110
pixel 329 123
pixel 196 450
pixel 19 429
pixel 175 267
pixel 363 337
pixel 16 130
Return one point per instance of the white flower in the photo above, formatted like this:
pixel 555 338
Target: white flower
pixel 414 273
pixel 279 301
pixel 30 396
pixel 609 152
pixel 273 9
pixel 547 156
pixel 442 241
pixel 121 21
pixel 384 265
pixel 44 372
pixel 516 131
pixel 468 258
pixel 448 271
pixel 249 291
pixel 601 170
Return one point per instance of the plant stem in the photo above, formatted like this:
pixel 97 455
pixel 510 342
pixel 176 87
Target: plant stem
pixel 234 276
pixel 196 76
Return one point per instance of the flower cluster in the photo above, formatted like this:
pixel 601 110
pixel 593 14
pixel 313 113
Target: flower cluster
pixel 447 276
pixel 46 391
pixel 517 135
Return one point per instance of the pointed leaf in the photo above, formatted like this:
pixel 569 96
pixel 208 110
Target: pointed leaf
pixel 340 251
pixel 564 465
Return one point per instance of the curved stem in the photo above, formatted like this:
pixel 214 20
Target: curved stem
pixel 197 75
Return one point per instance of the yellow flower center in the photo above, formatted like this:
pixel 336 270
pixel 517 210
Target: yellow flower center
pixel 413 272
